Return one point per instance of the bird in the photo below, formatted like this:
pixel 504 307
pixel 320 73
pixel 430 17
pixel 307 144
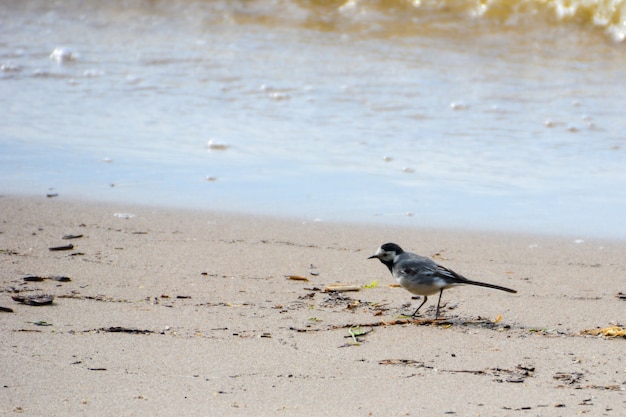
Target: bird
pixel 421 275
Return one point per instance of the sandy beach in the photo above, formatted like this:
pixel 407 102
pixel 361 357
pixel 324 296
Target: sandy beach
pixel 171 312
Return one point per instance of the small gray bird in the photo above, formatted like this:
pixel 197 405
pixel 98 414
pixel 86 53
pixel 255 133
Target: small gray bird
pixel 420 275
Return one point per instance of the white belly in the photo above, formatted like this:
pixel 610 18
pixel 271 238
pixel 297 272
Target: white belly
pixel 420 287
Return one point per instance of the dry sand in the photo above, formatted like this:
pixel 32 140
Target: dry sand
pixel 175 312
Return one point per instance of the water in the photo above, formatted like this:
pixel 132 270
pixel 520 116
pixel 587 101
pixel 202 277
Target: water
pixel 500 115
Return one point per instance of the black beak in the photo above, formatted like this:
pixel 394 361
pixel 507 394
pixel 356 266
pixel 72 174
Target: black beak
pixel 373 256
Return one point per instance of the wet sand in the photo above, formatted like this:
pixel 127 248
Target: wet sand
pixel 173 312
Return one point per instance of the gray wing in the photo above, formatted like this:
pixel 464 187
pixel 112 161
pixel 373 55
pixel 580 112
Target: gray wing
pixel 423 272
pixel 420 265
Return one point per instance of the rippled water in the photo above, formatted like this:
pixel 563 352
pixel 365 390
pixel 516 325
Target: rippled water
pixel 497 115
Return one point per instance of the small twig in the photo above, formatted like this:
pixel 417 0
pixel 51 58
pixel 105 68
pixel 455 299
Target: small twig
pixel 355 332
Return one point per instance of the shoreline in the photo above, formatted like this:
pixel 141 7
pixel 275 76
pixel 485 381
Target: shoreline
pixel 180 310
pixel 376 222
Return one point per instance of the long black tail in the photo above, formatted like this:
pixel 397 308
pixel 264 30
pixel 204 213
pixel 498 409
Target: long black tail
pixel 484 284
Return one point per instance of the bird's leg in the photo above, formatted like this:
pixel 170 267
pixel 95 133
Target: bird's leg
pixel 420 306
pixel 438 301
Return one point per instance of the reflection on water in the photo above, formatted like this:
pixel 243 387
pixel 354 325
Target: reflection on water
pixel 450 113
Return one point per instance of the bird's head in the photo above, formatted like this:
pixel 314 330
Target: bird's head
pixel 387 253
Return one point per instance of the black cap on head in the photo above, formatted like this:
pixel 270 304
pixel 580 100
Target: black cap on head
pixel 392 247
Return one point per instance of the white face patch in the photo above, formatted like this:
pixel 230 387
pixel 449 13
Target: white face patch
pixel 385 255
